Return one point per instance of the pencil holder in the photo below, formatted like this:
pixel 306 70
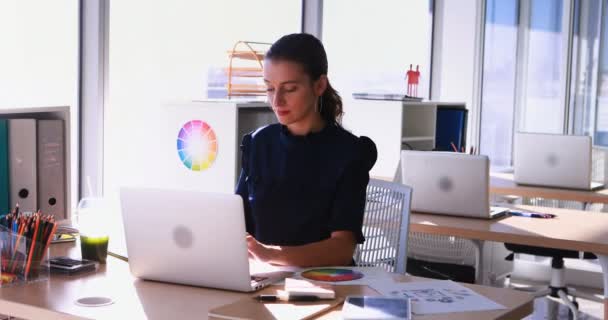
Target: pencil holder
pixel 22 259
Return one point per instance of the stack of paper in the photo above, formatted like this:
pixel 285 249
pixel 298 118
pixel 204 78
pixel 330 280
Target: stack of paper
pixel 438 296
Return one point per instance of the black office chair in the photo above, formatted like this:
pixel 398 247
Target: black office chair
pixel 557 287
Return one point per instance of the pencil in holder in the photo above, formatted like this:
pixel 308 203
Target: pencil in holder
pixel 23 254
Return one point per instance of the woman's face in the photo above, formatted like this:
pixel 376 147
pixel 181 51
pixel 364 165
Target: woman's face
pixel 291 93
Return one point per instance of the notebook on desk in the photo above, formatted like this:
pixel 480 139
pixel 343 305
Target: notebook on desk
pixel 189 237
pixel 250 308
pixel 449 183
pixel 553 160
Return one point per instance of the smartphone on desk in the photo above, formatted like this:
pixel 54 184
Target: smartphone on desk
pixel 66 265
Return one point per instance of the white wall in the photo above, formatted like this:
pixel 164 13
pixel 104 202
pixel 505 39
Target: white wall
pixel 39 61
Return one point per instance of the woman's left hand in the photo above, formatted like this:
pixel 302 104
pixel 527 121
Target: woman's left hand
pixel 258 250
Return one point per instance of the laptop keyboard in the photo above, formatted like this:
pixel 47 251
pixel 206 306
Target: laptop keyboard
pixel 257 279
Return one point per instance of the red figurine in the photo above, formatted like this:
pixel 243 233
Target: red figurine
pixel 413 78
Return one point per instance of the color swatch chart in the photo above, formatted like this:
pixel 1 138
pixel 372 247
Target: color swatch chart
pixel 332 274
pixel 197 145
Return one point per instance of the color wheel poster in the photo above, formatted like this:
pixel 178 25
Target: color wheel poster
pixel 197 145
pixel 346 275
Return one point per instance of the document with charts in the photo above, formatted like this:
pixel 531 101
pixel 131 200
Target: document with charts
pixel 439 296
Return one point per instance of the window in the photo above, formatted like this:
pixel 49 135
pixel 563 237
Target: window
pixel 168 55
pixel 543 83
pixel 162 53
pixel 499 65
pixel 590 67
pixel 524 73
pixel 592 103
pixel 39 62
pixel 371 44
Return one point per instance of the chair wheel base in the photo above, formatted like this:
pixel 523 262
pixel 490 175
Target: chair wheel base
pixel 570 314
pixel 554 291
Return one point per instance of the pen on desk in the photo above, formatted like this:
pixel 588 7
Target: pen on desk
pixel 274 298
pixel 531 214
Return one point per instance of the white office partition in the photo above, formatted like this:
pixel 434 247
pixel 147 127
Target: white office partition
pixel 199 142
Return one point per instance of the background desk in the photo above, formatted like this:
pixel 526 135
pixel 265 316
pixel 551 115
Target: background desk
pixel 571 229
pixel 137 299
pixel 503 184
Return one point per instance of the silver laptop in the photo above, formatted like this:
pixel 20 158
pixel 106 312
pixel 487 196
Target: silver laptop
pixel 553 160
pixel 189 237
pixel 449 183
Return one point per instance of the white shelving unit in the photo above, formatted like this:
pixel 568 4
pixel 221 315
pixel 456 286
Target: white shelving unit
pixel 419 123
pixel 394 126
pixel 416 139
pixel 418 126
pixel 229 120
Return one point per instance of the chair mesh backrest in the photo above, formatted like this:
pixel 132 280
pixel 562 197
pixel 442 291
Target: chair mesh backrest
pixel 443 249
pixel 385 226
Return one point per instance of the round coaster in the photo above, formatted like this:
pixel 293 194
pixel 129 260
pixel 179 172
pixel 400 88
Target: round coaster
pixel 94 301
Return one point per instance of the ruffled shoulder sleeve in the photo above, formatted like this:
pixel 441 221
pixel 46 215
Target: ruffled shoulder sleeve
pixel 349 199
pixel 245 152
pixel 368 154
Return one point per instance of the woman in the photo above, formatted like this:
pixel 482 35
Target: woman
pixel 303 179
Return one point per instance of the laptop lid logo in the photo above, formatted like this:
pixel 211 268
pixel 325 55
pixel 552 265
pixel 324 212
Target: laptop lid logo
pixel 446 184
pixel 552 160
pixel 183 237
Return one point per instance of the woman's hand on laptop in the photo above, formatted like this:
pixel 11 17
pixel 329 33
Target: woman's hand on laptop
pixel 257 250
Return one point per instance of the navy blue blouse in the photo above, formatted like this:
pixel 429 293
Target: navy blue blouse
pixel 299 189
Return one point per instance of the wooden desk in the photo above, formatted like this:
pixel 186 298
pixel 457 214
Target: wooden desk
pixel 137 299
pixel 571 229
pixel 503 184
